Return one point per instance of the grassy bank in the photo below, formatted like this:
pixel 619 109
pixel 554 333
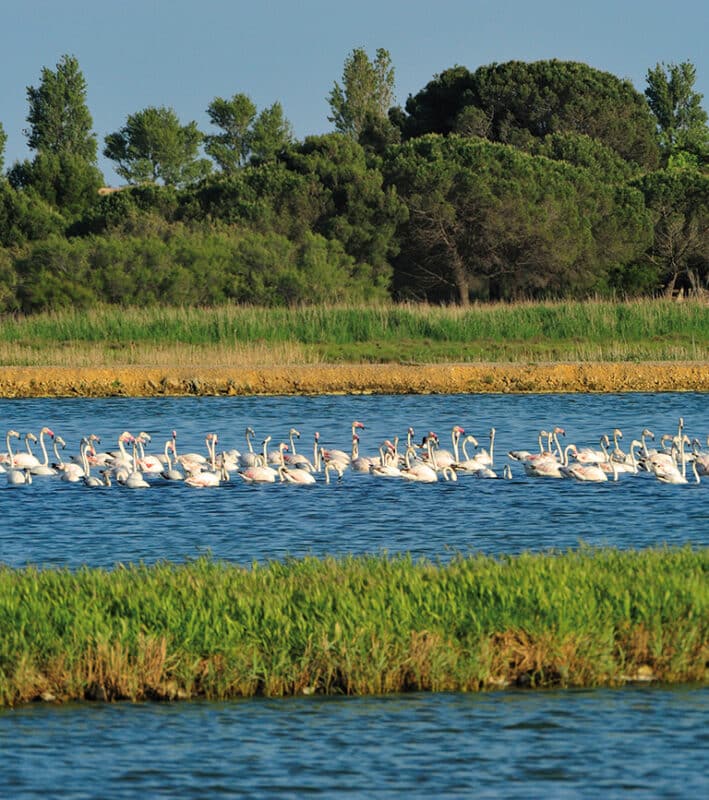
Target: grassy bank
pixel 355 626
pixel 647 330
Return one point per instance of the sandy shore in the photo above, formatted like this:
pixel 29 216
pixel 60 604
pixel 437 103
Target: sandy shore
pixel 138 381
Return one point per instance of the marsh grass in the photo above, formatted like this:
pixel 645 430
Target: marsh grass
pixel 356 625
pixel 578 331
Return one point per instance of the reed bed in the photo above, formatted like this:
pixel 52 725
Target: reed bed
pixel 526 331
pixel 354 625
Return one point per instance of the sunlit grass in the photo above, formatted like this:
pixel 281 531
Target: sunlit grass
pixel 645 330
pixel 355 625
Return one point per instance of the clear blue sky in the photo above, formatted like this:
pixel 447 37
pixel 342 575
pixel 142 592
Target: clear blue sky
pixel 184 53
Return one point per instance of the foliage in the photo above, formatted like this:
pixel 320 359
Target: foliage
pixel 583 151
pixel 356 625
pixel 60 121
pixel 64 180
pixel 244 134
pixel 354 206
pixel 367 92
pixel 681 120
pixel 679 202
pixel 483 217
pixel 271 134
pixel 64 171
pixel 25 217
pixel 172 264
pixel 234 117
pixel 516 102
pixel 153 146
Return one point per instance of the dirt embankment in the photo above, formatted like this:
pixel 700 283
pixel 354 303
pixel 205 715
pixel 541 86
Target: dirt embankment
pixel 352 379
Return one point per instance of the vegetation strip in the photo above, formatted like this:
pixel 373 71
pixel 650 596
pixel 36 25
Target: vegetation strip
pixel 352 379
pixel 354 625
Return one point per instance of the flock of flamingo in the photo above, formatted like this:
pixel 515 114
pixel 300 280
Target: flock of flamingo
pixel 678 459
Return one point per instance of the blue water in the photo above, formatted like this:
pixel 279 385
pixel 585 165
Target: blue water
pixel 644 741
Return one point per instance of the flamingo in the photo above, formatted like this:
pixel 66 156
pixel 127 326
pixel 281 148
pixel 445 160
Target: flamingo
pixel 295 459
pixel 484 457
pixel 701 459
pixel 341 455
pixel 170 473
pixel 446 458
pixel 249 458
pixel 296 475
pixel 147 463
pixel 549 466
pixel 419 471
pixel 468 464
pixel 135 479
pixel 589 472
pixel 44 468
pixel 359 463
pixel 587 455
pixel 206 479
pixel 26 460
pixel 525 455
pixel 15 477
pixel 260 472
pixel 89 480
pixel 333 466
pixel 388 466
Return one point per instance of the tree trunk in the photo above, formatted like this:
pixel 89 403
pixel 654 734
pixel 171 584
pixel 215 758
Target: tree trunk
pixel 460 276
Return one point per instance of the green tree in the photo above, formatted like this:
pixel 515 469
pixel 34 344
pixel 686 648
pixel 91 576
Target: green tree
pixel 64 180
pixel 681 120
pixel 367 90
pixel 24 217
pixel 60 121
pixel 354 207
pixel 678 200
pixel 153 146
pixel 230 148
pixel 517 102
pixel 63 171
pixel 490 221
pixel 271 133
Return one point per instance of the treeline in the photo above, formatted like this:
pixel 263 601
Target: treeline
pixel 520 180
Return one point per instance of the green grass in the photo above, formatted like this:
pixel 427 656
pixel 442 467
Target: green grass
pixel 356 625
pixel 644 330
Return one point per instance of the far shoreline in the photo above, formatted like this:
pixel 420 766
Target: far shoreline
pixel 300 379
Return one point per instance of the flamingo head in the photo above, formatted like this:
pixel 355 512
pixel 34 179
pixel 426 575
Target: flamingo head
pixel 31 437
pixel 174 434
pixel 294 432
pixel 457 429
pixel 559 430
pixel 14 434
pixel 47 431
pixel 357 424
pixel 317 436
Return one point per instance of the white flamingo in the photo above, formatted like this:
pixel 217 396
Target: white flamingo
pixel 301 477
pixel 44 467
pixel 418 470
pixel 170 473
pixel 16 476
